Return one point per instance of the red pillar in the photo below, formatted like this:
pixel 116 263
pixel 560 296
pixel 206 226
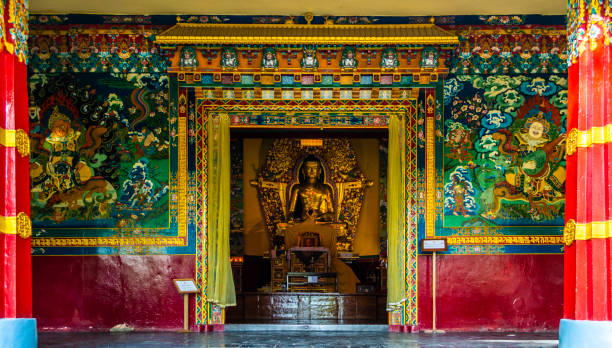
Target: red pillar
pixel 588 229
pixel 15 226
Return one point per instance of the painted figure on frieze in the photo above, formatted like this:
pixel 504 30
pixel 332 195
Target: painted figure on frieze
pixel 229 58
pixel 269 60
pixel 349 58
pixel 389 59
pixel 188 57
pixel 309 59
pixel 429 57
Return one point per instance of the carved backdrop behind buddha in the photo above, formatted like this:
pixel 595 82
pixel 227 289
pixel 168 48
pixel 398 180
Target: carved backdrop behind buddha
pixel 323 182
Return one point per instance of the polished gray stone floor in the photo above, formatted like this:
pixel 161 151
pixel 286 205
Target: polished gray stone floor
pixel 318 339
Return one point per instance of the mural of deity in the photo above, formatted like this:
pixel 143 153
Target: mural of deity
pixel 100 151
pixel 389 59
pixel 63 146
pixel 458 141
pixel 268 60
pixel 508 132
pixel 459 194
pixel 349 58
pixel 188 57
pixel 229 58
pixel 309 58
pixel 64 180
pixel 537 176
pixel 429 58
pixel 137 190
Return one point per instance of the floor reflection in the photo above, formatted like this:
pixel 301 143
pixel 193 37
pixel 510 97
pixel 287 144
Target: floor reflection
pixel 332 339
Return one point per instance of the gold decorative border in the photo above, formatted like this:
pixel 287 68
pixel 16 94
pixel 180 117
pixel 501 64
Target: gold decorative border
pixel 206 111
pixel 108 242
pixel 162 241
pixel 505 240
pixel 582 139
pixel 182 176
pixel 430 173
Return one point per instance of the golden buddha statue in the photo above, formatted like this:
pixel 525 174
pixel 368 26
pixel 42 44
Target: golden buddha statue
pixel 311 197
pixel 302 191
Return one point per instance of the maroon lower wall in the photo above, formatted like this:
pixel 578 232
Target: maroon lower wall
pixel 489 292
pixel 99 292
pixel 492 292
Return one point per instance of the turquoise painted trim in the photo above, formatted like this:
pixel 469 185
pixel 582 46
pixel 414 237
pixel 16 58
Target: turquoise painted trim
pixel 18 333
pixel 585 334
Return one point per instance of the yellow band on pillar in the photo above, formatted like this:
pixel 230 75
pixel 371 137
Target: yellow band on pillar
pixel 15 138
pixel 585 231
pixel 7 137
pixel 595 135
pixel 19 225
pixel 595 229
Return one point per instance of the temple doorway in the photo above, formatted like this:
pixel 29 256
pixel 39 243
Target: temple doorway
pixel 308 226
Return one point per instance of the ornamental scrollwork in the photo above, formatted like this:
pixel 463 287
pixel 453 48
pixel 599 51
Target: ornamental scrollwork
pixel 24 225
pixel 571 143
pixel 22 142
pixel 569 232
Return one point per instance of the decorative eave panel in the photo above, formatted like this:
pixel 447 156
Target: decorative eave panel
pixel 327 34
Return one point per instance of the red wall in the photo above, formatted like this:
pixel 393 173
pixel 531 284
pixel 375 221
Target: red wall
pixel 99 292
pixel 492 292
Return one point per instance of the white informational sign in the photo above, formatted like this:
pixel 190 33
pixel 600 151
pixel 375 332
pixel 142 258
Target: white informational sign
pixel 313 279
pixel 433 244
pixel 185 286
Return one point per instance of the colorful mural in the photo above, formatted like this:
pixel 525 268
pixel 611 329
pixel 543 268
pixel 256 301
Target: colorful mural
pixel 101 154
pixel 96 50
pixel 504 150
pixel 500 69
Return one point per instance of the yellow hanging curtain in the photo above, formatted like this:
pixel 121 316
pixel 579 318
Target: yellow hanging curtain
pixel 396 215
pixel 220 288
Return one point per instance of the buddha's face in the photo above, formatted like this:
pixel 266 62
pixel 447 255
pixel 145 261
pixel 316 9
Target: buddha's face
pixel 535 130
pixel 312 170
